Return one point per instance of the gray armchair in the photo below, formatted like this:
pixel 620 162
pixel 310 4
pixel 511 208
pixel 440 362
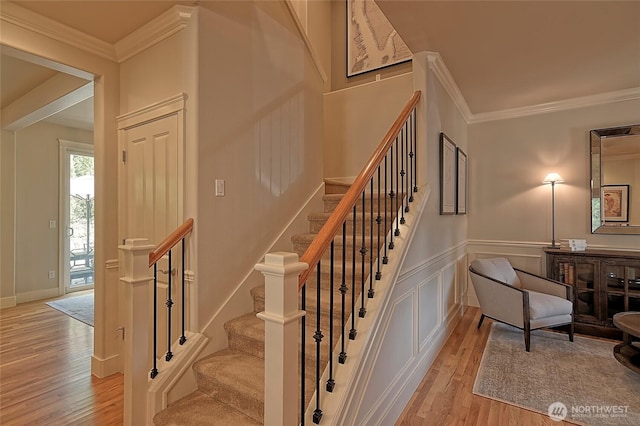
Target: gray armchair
pixel 521 299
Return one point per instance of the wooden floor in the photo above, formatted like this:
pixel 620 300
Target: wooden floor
pixel 45 377
pixel 445 395
pixel 45 371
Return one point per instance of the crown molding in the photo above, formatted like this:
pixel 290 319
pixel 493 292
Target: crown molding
pixel 565 104
pixel 441 71
pixel 437 65
pixel 30 21
pixel 153 32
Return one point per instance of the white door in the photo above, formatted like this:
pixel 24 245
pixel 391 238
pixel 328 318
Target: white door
pixel 151 175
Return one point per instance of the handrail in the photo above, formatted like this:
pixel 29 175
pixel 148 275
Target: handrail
pixel 321 242
pixel 171 240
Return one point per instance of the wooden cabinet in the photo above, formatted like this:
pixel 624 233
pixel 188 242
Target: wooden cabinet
pixel 605 282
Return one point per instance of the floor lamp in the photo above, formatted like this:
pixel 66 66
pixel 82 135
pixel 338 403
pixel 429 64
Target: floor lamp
pixel 553 178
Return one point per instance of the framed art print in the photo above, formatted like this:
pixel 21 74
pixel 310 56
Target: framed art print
pixel 447 175
pixel 615 203
pixel 461 182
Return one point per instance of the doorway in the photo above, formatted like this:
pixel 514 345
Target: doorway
pixel 77 201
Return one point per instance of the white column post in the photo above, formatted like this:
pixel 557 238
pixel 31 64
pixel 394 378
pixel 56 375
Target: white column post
pixel 281 353
pixel 137 294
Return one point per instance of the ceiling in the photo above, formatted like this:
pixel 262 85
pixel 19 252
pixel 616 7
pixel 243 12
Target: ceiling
pixel 501 54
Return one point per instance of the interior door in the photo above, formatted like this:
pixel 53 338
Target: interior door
pixel 151 169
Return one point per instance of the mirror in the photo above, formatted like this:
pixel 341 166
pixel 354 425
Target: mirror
pixel 615 180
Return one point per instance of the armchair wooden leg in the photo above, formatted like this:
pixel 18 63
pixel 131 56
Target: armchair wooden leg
pixel 481 319
pixel 527 338
pixel 571 332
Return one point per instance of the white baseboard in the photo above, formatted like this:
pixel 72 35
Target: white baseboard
pixel 105 367
pixel 7 302
pixel 30 296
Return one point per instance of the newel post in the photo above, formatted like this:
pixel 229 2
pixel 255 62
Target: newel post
pixel 137 295
pixel 281 331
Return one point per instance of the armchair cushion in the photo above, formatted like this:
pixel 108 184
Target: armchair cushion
pixel 545 305
pixel 497 268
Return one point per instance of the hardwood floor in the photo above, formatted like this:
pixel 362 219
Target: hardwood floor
pixel 45 371
pixel 445 396
pixel 45 377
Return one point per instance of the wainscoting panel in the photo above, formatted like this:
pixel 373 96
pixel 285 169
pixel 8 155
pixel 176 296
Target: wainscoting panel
pixel 423 310
pixel 429 309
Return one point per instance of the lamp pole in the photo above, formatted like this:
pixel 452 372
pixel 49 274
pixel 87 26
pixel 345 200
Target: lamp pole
pixel 553 178
pixel 553 215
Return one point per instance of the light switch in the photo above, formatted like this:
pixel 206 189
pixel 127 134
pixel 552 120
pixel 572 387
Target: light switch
pixel 219 187
pixel 52 224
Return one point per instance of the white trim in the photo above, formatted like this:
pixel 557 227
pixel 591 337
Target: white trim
pixel 112 264
pixel 105 367
pixel 31 21
pixel 440 70
pixel 152 112
pixel 307 42
pixel 30 296
pixel 164 26
pixel 7 302
pixel 565 104
pixel 66 147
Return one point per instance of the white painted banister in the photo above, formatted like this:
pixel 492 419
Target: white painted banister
pixel 137 293
pixel 281 355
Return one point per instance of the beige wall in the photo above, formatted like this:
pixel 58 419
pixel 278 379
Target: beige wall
pixel 437 233
pixel 7 218
pixel 356 120
pixel 510 158
pixel 259 129
pixel 37 202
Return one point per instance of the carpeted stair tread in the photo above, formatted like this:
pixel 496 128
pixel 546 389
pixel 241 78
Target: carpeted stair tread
pixel 198 409
pixel 235 378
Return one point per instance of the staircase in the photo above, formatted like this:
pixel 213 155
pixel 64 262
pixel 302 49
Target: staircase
pixel 231 381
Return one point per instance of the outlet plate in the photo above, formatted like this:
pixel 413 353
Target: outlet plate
pixel 52 274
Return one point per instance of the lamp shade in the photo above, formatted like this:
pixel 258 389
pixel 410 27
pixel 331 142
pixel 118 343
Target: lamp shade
pixel 553 178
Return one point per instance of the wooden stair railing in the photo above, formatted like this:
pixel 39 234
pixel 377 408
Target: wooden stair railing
pixel 165 247
pixel 389 176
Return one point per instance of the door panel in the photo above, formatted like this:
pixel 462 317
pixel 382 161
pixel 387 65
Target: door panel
pixel 151 176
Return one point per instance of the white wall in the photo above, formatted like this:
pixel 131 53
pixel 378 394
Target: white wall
pixel 260 130
pixel 37 202
pixel 510 158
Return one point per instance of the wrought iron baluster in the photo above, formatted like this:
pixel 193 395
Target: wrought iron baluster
pixel 379 223
pixel 391 196
pixel 303 336
pixel 402 177
pixel 371 293
pixel 154 370
pixel 331 382
pixel 363 253
pixel 353 332
pixel 169 305
pixel 396 210
pixel 343 292
pixel 415 153
pixel 183 338
pixel 317 413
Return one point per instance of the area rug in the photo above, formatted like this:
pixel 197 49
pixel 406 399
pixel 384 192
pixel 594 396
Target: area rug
pixel 580 382
pixel 78 307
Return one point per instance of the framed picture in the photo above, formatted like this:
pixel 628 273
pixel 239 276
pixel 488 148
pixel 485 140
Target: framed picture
pixel 372 42
pixel 447 175
pixel 461 182
pixel 615 203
